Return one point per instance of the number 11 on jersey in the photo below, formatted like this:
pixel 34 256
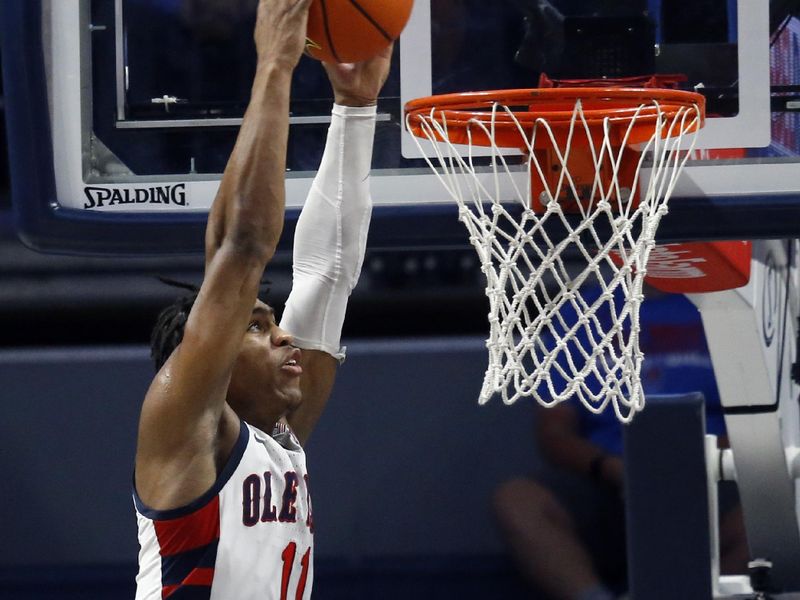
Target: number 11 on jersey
pixel 288 556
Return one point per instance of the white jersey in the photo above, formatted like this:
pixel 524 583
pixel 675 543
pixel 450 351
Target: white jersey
pixel 249 536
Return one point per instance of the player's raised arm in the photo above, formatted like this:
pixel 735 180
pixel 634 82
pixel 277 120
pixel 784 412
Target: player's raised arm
pixel 249 207
pixel 186 431
pixel 331 234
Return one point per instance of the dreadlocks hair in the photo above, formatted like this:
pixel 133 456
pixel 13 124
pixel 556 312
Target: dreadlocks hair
pixel 168 330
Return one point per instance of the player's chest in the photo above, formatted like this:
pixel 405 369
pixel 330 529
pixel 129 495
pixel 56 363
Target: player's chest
pixel 270 490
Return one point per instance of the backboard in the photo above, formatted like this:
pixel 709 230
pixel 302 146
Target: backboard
pixel 122 113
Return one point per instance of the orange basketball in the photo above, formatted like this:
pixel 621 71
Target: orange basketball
pixel 347 31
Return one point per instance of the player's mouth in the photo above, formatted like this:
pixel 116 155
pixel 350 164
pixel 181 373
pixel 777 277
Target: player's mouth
pixel 292 365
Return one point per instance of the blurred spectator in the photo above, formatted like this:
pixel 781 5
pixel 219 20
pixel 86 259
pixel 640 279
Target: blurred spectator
pixel 565 526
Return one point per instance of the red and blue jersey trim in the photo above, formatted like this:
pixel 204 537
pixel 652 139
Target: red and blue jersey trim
pixel 188 536
pixel 188 547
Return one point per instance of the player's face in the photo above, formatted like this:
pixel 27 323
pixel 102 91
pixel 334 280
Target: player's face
pixel 265 383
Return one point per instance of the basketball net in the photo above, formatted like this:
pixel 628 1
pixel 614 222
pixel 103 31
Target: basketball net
pixel 565 261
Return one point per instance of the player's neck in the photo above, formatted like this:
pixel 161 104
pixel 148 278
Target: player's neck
pixel 265 420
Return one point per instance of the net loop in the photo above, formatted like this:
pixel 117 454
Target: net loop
pixel 563 233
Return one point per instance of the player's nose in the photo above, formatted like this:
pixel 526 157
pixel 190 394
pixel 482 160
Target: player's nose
pixel 281 337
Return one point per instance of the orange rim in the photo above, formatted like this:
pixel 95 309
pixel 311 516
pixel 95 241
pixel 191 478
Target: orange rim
pixel 617 106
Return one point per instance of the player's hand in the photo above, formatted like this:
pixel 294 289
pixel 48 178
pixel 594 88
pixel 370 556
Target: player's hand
pixel 280 33
pixel 358 84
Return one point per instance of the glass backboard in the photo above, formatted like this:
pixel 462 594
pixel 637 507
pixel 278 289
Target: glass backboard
pixel 144 99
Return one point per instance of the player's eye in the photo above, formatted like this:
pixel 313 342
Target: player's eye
pixel 254 327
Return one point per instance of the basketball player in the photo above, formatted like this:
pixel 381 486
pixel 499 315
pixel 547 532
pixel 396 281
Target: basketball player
pixel 221 488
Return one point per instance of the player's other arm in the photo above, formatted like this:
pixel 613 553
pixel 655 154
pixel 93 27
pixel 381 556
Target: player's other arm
pixel 331 234
pixel 182 426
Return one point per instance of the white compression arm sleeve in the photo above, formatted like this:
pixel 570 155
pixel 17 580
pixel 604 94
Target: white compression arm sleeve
pixel 331 234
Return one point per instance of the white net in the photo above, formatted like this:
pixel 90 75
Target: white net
pixel 564 282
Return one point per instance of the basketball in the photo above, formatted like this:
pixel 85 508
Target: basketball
pixel 346 31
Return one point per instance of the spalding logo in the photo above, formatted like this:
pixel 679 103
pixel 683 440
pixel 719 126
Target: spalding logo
pixel 100 197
